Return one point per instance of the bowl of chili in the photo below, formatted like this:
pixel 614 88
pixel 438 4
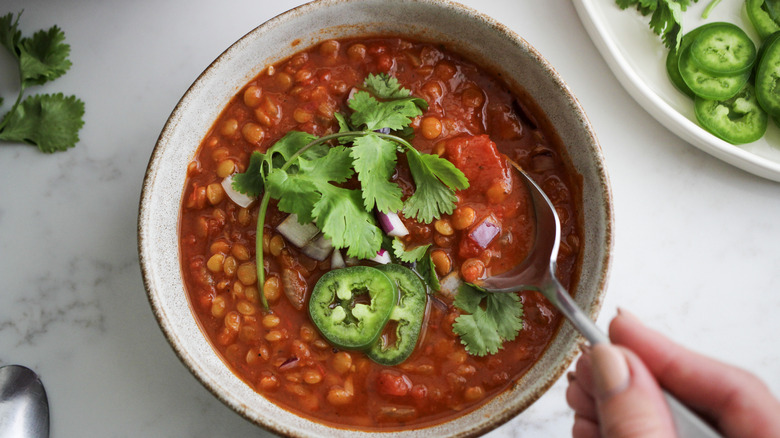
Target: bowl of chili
pixel 321 197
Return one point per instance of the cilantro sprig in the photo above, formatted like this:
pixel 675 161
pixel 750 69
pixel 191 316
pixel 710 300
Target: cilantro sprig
pixel 491 319
pixel 666 18
pixel 49 121
pixel 305 174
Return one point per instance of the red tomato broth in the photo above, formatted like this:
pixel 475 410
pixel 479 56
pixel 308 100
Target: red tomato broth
pixel 281 355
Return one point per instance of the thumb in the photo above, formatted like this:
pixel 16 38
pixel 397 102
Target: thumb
pixel 629 401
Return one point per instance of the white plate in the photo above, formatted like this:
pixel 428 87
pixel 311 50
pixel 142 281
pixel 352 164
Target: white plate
pixel 637 57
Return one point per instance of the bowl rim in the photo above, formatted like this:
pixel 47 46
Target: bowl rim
pixel 602 177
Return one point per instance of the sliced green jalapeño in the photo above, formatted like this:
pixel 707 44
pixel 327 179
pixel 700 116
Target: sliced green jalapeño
pixel 351 306
pixel 737 120
pixel 768 76
pixel 399 339
pixel 760 18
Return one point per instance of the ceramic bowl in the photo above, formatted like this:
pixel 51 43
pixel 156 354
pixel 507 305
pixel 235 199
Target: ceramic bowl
pixel 476 36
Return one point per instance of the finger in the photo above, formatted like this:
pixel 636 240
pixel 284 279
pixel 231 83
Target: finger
pixel 583 372
pixel 585 428
pixel 581 402
pixel 735 400
pixel 629 401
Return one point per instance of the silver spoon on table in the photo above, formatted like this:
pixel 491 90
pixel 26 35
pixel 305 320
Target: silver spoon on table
pixel 537 272
pixel 24 407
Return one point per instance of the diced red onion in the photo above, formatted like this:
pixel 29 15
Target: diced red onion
pixel 382 257
pixel 241 199
pixel 485 232
pixel 289 364
pixel 337 260
pixel 296 233
pixel 392 224
pixel 318 248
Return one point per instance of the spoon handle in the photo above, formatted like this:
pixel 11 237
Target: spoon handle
pixel 688 424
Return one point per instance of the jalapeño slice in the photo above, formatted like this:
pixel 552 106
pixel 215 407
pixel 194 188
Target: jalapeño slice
pixel 768 76
pixel 737 120
pixel 708 85
pixel 760 18
pixel 723 49
pixel 673 62
pixel 398 341
pixel 350 306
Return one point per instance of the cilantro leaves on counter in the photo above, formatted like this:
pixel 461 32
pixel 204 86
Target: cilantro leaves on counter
pixel 305 175
pixel 49 121
pixel 491 319
pixel 666 18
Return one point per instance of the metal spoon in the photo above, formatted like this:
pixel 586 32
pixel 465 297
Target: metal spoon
pixel 24 408
pixel 537 272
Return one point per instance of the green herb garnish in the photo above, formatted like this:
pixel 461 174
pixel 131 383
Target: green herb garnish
pixel 49 121
pixel 492 319
pixel 304 174
pixel 415 254
pixel 666 19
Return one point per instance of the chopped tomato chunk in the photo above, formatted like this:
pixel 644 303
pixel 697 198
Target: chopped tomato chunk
pixel 393 383
pixel 480 161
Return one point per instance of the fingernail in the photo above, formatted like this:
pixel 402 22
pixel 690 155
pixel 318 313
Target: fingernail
pixel 570 376
pixel 628 315
pixel 610 370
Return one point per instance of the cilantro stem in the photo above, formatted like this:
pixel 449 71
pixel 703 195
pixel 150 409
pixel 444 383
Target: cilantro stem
pixel 7 117
pixel 259 247
pixel 709 8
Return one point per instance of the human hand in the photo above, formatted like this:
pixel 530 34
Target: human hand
pixel 614 390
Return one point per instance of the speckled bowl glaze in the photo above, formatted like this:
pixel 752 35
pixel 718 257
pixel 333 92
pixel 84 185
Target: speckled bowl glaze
pixel 475 36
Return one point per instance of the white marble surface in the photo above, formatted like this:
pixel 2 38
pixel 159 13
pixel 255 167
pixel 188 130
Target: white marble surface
pixel 696 241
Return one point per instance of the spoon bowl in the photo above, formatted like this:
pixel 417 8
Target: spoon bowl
pixel 537 272
pixel 24 407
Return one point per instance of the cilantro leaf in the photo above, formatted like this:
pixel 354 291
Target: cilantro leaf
pixel 10 33
pixel 296 194
pixel 44 57
pixel 250 182
pixel 435 181
pixel 344 127
pixel 284 149
pixel 335 166
pixel 469 297
pixel 486 327
pixel 299 191
pixel 337 211
pixel 666 19
pixel 507 311
pixel 478 333
pixel 375 115
pixel 409 256
pixel 426 270
pixel 375 160
pixel 385 86
pixel 341 217
pixel 49 121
